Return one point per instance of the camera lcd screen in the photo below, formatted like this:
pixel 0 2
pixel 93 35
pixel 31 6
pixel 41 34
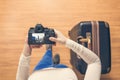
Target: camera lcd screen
pixel 38 37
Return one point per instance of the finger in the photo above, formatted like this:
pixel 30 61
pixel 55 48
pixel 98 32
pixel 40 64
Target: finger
pixel 36 46
pixel 53 39
pixel 33 46
pixel 56 31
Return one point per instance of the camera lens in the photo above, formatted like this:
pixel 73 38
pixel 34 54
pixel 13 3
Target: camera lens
pixel 39 28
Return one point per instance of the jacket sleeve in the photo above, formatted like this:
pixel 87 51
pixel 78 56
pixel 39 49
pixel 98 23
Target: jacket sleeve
pixel 23 68
pixel 94 65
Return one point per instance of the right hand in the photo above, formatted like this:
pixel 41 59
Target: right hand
pixel 60 38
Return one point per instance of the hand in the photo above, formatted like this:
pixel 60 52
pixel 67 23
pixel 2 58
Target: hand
pixel 60 37
pixel 27 50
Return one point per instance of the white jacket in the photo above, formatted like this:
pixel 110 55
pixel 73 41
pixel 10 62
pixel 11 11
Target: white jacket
pixel 93 70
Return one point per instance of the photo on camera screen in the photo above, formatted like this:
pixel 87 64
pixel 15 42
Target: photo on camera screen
pixel 38 37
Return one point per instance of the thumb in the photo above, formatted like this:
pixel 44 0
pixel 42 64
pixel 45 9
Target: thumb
pixel 53 39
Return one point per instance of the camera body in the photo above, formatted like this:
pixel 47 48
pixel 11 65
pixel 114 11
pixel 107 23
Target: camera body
pixel 40 35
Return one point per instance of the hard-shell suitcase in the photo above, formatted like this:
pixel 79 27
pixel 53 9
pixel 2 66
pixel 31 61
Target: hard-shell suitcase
pixel 94 35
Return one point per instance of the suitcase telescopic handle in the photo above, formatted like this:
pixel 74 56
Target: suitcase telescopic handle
pixel 85 40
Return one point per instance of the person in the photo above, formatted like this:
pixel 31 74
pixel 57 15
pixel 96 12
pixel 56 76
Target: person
pixel 46 70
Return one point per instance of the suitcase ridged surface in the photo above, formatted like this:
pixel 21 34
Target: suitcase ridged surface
pixel 100 43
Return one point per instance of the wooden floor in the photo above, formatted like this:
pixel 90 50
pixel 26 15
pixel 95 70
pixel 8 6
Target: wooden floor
pixel 17 16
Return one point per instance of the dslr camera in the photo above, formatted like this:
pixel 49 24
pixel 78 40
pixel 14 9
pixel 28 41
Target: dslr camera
pixel 40 35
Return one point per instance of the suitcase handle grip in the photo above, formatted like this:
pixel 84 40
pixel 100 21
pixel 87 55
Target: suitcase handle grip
pixel 85 40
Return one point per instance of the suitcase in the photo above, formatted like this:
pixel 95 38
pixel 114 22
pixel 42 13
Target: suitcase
pixel 94 35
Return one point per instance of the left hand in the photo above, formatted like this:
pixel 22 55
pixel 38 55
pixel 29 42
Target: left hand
pixel 27 50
